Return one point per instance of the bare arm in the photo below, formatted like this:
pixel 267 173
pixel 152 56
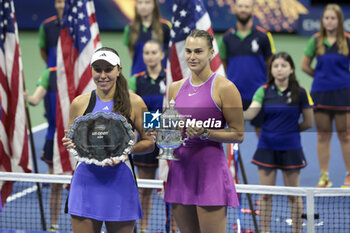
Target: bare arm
pixel 146 143
pixel 252 111
pixel 174 89
pixel 308 119
pixel 77 108
pixel 306 66
pixel 231 105
pixel 43 54
pixel 38 95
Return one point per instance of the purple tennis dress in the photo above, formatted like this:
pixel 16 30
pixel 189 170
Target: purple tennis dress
pixel 104 193
pixel 201 176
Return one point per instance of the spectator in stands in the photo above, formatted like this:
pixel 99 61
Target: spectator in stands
pixel 107 193
pixel 48 37
pixel 282 101
pixel 244 51
pixel 330 88
pixel 150 85
pixel 146 25
pixel 199 185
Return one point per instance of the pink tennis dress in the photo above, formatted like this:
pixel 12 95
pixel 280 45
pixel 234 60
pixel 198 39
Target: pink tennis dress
pixel 201 176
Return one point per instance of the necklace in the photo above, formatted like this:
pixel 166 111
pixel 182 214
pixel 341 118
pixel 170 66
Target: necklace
pixel 196 88
pixel 194 91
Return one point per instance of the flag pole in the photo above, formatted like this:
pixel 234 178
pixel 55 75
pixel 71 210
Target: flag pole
pixel 29 123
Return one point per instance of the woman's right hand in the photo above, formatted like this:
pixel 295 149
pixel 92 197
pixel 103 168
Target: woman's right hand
pixel 151 132
pixel 67 142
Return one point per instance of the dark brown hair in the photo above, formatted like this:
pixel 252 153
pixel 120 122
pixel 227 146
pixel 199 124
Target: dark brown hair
pixel 203 34
pixel 157 30
pixel 292 83
pixel 121 98
pixel 341 40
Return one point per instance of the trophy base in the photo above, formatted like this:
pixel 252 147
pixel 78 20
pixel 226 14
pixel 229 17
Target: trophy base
pixel 167 154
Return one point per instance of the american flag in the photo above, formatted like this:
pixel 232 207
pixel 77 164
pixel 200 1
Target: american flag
pixel 14 152
pixel 79 38
pixel 187 16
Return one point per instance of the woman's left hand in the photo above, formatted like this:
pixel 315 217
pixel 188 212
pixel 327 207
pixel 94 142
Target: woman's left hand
pixel 192 132
pixel 112 162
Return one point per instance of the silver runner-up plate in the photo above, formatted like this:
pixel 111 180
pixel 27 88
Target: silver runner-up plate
pixel 101 136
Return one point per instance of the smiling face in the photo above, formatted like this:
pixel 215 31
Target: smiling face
pixel 281 69
pixel 144 7
pixel 330 20
pixel 105 75
pixel 152 54
pixel 197 53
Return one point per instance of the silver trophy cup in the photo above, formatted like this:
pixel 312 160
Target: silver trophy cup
pixel 169 136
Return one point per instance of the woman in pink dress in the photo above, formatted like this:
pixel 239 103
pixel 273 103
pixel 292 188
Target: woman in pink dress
pixel 199 185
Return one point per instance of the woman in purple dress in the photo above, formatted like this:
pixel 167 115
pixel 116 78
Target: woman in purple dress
pixel 200 185
pixel 107 193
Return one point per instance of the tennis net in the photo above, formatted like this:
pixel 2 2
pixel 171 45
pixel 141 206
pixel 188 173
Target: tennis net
pixel 269 208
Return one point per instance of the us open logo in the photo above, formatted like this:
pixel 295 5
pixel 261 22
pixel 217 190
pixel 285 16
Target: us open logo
pixel 151 120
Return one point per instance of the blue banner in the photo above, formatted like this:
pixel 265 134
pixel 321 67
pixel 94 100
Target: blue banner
pixel 280 16
pixel 309 24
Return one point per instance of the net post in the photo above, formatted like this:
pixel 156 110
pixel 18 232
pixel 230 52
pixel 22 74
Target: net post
pixel 310 211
